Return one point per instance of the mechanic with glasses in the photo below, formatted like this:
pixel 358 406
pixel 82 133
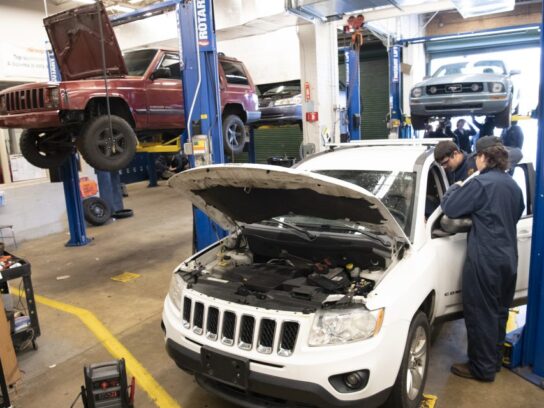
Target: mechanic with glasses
pixel 460 165
pixel 457 164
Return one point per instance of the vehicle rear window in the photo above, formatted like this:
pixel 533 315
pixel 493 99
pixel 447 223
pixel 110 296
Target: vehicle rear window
pixel 234 72
pixel 138 61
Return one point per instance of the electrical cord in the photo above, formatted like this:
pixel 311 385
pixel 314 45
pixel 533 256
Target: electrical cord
pixel 74 403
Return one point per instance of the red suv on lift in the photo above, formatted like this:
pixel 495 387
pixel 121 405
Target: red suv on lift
pixel 144 92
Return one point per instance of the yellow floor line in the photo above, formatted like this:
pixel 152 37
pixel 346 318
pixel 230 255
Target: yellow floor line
pixel 143 378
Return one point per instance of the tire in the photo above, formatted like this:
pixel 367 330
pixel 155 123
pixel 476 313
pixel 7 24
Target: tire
pixel 44 149
pixel 416 355
pixel 234 135
pixel 96 211
pixel 126 213
pixel 95 149
pixel 418 122
pixel 503 119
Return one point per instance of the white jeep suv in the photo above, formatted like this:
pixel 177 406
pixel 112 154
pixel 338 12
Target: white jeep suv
pixel 324 292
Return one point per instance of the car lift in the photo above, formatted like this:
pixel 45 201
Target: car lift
pixel 524 351
pixel 527 353
pixel 353 75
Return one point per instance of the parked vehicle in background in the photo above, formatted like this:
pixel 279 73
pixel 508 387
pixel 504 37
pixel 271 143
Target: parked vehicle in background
pixel 281 104
pixel 144 90
pixel 480 88
pixel 324 293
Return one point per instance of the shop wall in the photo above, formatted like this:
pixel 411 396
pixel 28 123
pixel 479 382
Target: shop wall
pixel 278 60
pixel 34 209
pixel 451 22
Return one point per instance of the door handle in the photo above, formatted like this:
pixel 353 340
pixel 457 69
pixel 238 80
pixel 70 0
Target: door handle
pixel 524 235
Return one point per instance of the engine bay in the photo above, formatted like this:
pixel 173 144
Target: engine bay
pixel 276 269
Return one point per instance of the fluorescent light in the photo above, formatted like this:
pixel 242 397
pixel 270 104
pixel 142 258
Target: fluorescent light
pixel 135 1
pixel 86 1
pixel 475 8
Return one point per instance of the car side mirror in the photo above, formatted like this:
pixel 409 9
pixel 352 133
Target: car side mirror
pixel 515 72
pixel 161 73
pixel 455 225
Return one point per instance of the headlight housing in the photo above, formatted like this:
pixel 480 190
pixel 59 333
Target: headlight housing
pixel 340 326
pixel 295 100
pixel 176 287
pixel 497 87
pixel 417 92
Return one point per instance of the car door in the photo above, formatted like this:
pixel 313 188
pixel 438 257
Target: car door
pixel 164 94
pixel 524 176
pixel 447 252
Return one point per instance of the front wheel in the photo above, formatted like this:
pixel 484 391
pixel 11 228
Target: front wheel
pixel 503 119
pixel 105 150
pixel 408 388
pixel 234 134
pixel 418 122
pixel 45 149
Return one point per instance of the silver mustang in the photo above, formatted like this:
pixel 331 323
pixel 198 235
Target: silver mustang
pixel 466 88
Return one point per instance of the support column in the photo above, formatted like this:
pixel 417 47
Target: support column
pixel 319 82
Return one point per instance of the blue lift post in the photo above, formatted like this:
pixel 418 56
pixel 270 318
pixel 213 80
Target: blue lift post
pixel 201 95
pixel 353 71
pixel 70 180
pixel 532 353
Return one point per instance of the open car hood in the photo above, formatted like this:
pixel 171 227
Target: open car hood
pixel 249 193
pixel 75 37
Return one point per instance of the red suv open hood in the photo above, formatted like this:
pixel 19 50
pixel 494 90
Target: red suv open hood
pixel 75 37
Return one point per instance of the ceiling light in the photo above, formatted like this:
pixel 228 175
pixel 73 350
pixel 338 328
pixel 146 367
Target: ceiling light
pixel 475 8
pixel 135 1
pixel 86 1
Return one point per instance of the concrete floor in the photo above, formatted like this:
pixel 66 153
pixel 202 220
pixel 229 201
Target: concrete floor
pixel 152 243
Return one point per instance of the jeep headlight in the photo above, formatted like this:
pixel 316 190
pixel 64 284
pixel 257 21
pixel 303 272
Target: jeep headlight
pixel 497 87
pixel 417 92
pixel 176 287
pixel 340 326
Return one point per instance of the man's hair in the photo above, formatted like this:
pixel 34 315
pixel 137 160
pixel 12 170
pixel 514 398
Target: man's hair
pixel 496 157
pixel 463 121
pixel 444 149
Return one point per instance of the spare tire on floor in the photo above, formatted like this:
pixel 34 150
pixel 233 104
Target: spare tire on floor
pixel 96 211
pixel 126 213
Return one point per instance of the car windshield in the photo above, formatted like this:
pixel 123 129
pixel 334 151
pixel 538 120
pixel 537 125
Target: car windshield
pixel 479 67
pixel 138 61
pixel 395 189
pixel 283 90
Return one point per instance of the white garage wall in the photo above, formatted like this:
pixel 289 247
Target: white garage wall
pixel 34 209
pixel 272 57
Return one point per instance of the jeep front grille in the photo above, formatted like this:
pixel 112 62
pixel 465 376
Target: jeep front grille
pixel 229 325
pixel 243 330
pixel 213 323
pixel 25 100
pixel 198 318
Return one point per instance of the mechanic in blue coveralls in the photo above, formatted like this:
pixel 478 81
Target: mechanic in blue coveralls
pixel 494 202
pixel 460 165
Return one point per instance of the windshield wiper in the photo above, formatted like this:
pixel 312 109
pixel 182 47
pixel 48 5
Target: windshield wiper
pixel 306 233
pixel 349 228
